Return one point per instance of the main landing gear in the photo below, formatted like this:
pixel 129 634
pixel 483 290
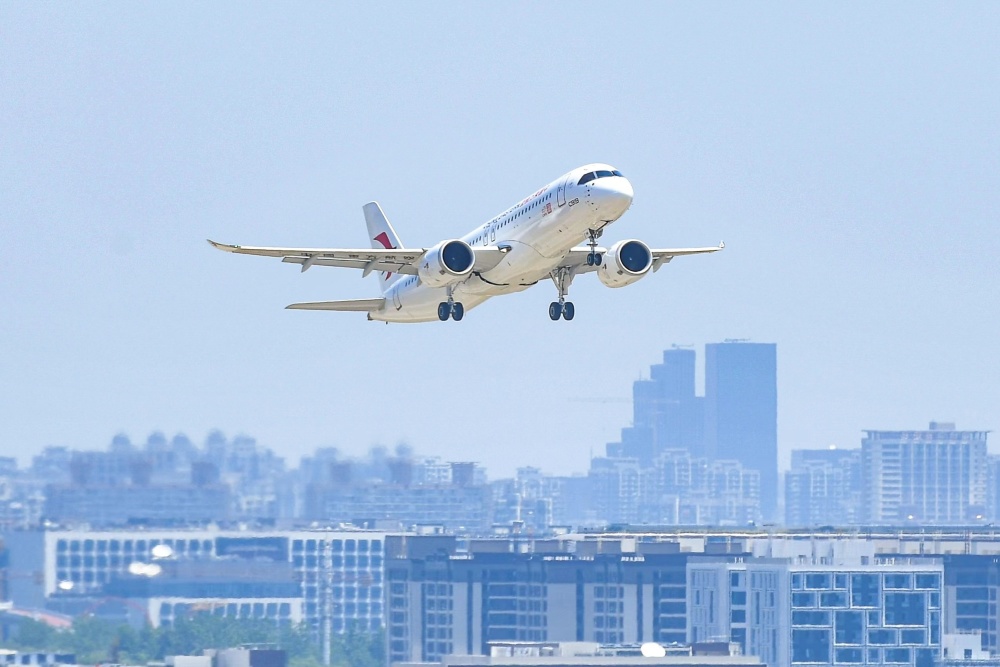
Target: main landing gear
pixel 562 277
pixel 450 308
pixel 565 309
pixel 594 258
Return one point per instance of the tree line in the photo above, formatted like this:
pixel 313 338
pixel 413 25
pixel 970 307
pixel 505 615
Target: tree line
pixel 94 640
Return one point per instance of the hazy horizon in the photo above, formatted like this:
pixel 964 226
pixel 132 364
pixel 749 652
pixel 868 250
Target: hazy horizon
pixel 848 157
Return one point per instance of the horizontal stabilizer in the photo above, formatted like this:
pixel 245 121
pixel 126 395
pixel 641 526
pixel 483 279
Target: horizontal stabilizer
pixel 351 305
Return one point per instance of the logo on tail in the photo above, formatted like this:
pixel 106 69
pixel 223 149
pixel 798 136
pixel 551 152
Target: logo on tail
pixel 383 238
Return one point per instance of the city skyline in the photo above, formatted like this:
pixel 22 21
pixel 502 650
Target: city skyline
pixel 680 378
pixel 938 476
pixel 847 157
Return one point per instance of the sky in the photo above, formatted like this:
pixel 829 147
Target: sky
pixel 848 155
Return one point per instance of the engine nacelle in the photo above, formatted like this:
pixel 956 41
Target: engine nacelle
pixel 446 263
pixel 624 263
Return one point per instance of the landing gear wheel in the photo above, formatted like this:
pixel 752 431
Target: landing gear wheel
pixel 562 277
pixel 598 258
pixel 591 258
pixel 444 311
pixel 457 311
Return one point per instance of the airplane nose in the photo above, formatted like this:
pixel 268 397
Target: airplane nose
pixel 614 196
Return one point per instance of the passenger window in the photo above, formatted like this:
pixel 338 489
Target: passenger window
pixel 604 174
pixel 587 178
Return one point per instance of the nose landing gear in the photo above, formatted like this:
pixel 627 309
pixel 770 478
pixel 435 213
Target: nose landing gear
pixel 594 258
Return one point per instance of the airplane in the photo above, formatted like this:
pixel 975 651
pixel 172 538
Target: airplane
pixel 537 238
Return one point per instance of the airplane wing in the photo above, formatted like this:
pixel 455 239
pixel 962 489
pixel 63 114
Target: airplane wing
pixel 663 255
pixel 577 257
pixel 355 305
pixel 401 260
pixel 366 259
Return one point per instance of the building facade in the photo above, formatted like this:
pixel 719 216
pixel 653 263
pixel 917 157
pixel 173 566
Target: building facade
pixel 170 589
pixel 937 476
pixel 338 573
pixel 694 491
pixel 878 611
pixel 442 601
pixel 823 488
pixel 462 502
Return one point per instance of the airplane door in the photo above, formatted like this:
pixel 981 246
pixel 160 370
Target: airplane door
pixel 395 299
pixel 561 193
pixel 493 233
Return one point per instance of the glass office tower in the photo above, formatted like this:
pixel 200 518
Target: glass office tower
pixel 741 411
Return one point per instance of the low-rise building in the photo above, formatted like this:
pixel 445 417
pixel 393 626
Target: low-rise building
pixel 834 607
pixel 35 658
pixel 338 572
pixel 592 654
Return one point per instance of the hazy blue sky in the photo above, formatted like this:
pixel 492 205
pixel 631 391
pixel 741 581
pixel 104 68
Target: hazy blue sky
pixel 847 154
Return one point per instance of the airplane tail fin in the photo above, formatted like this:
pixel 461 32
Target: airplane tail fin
pixel 382 235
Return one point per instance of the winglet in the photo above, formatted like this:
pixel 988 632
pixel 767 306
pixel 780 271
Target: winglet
pixel 225 247
pixel 722 244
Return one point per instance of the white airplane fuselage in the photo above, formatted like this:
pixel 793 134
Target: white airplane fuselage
pixel 537 234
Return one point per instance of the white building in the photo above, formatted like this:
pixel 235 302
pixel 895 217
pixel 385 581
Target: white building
pixel 937 476
pixel 340 570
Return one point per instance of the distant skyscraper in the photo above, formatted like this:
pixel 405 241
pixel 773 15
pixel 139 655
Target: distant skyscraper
pixel 666 412
pixel 937 476
pixel 741 411
pixel 679 422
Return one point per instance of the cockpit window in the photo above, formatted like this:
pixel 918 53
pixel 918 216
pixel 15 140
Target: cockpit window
pixel 603 173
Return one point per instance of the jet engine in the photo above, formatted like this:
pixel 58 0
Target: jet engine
pixel 446 263
pixel 624 263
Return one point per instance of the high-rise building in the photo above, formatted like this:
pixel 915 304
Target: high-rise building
pixel 741 411
pixel 731 433
pixel 823 487
pixel 623 491
pixel 694 491
pixel 937 476
pixel 677 416
pixel 667 414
